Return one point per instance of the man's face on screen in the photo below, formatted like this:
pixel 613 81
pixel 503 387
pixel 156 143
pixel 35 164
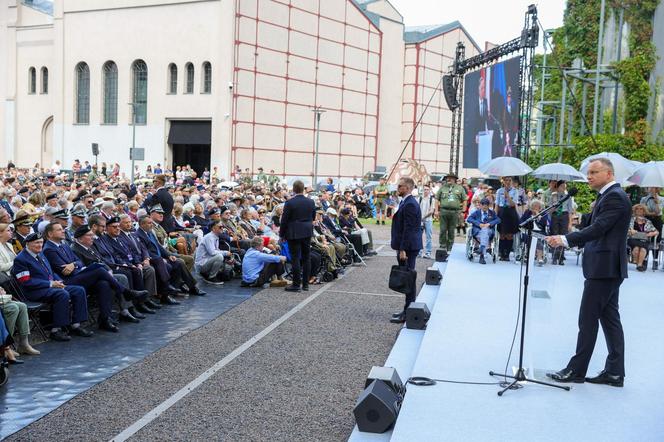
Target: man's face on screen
pixel 482 89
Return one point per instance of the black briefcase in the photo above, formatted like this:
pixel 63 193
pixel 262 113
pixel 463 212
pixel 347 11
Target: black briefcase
pixel 402 279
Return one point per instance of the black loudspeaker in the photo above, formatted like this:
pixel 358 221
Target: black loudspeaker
pixel 417 315
pixel 441 255
pixel 450 92
pixel 388 375
pixel 433 276
pixel 377 408
pixel 95 149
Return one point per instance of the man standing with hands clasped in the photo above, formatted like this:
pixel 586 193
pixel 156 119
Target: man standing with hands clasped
pixel 605 267
pixel 406 235
pixel 297 228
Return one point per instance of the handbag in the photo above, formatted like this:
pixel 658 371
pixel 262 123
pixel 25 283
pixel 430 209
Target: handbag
pixel 402 279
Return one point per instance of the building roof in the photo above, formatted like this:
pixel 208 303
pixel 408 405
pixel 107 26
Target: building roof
pixel 44 6
pixel 418 34
pixel 362 6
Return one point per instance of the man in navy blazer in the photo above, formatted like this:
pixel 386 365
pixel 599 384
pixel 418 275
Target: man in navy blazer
pixel 297 228
pixel 604 242
pixel 406 235
pixel 483 219
pixel 94 278
pixel 41 284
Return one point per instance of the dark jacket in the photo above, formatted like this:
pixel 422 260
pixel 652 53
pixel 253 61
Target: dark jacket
pixel 297 219
pixel 604 241
pixel 407 226
pixel 61 256
pixel 154 250
pixel 87 256
pixel 475 219
pixel 33 276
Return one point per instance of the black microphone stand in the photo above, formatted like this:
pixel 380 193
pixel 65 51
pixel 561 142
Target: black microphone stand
pixel 520 375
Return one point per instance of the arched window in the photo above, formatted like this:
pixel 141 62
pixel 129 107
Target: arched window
pixel 190 79
pixel 32 80
pixel 44 80
pixel 82 93
pixel 110 72
pixel 172 78
pixel 207 78
pixel 139 71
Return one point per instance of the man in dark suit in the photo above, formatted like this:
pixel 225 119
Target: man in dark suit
pixel 483 220
pixel 41 284
pixel 163 197
pixel 406 235
pixel 605 267
pixel 95 279
pixel 297 228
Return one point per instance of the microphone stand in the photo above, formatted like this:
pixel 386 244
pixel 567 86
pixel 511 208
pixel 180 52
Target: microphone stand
pixel 520 375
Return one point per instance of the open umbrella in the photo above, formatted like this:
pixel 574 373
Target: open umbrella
pixel 228 184
pixel 505 166
pixel 558 171
pixel 650 174
pixel 623 168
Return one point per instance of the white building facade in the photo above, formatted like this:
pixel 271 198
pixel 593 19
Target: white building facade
pixel 222 83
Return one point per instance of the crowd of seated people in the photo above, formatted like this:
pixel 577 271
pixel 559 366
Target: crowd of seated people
pixel 137 248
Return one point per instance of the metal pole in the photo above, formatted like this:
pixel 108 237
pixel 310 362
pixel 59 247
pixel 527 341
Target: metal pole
pixel 599 61
pixel 561 133
pixel 615 92
pixel 133 138
pixel 540 119
pixel 318 111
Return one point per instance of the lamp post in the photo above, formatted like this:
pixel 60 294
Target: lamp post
pixel 318 111
pixel 133 138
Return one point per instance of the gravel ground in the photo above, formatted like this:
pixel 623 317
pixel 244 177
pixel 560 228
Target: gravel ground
pixel 299 383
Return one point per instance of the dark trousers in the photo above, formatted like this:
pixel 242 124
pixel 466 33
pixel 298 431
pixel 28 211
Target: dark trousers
pixel 300 250
pixel 559 226
pixel 100 283
pixel 60 299
pixel 269 270
pixel 599 305
pixel 134 276
pixel 411 258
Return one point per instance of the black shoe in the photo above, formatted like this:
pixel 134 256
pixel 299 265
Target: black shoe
pixel 107 324
pixel 15 361
pixel 566 375
pixel 129 318
pixel 143 308
pixel 292 288
pixel 197 292
pixel 81 331
pixel 167 300
pixel 398 318
pixel 149 303
pixel 170 288
pixel 60 336
pixel 130 294
pixel 605 378
pixel 305 287
pixel 482 260
pixel 136 314
pixel 561 263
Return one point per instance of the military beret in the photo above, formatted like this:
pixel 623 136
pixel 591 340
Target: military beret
pixel 32 237
pixel 82 231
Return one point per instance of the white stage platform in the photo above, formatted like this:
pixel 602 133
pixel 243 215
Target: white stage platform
pixel 470 331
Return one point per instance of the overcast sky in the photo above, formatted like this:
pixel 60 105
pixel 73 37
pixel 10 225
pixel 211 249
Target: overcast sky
pixel 497 21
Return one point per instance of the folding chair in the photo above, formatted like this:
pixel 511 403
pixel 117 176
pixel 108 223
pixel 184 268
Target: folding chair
pixel 34 308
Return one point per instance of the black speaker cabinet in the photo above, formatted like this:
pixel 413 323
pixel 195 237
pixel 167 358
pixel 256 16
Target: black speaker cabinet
pixel 417 315
pixel 433 276
pixel 450 91
pixel 95 149
pixel 377 408
pixel 388 375
pixel 441 255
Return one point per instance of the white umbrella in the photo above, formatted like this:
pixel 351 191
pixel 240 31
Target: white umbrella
pixel 650 174
pixel 623 168
pixel 505 166
pixel 558 171
pixel 228 184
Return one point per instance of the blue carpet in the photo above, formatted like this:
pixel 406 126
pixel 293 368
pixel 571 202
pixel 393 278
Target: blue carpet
pixel 64 370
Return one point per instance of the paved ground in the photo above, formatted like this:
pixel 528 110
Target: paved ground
pixel 298 383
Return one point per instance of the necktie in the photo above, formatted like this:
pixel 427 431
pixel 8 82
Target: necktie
pixel 48 271
pixel 153 239
pixel 483 217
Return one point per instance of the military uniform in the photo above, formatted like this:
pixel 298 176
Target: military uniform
pixel 451 198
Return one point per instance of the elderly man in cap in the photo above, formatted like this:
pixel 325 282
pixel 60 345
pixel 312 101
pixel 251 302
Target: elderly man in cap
pixel 83 247
pixel 78 219
pixel 450 203
pixel 41 284
pixel 22 228
pixel 209 258
pixel 169 241
pixel 483 221
pixel 93 278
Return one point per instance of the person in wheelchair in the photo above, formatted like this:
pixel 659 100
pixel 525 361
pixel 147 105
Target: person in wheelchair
pixel 543 225
pixel 483 222
pixel 639 236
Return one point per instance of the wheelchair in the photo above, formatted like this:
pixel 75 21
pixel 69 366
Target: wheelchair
pixel 473 246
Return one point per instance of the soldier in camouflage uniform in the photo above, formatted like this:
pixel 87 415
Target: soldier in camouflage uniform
pixel 450 202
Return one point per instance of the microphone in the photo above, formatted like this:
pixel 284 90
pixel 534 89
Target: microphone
pixel 572 192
